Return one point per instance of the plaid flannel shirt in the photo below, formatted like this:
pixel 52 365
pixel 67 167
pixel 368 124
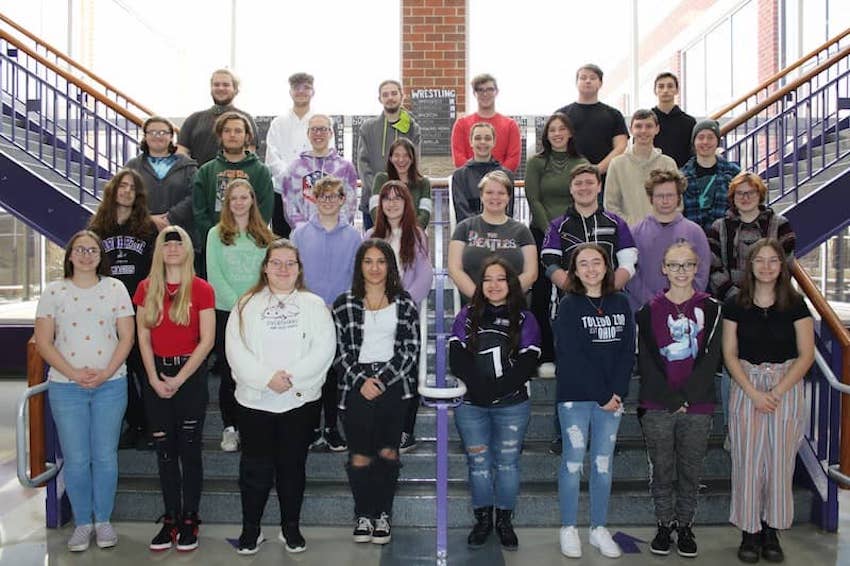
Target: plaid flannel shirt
pixel 348 313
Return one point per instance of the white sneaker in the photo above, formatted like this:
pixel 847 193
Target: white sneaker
pixel 80 538
pixel 230 439
pixel 570 542
pixel 601 539
pixel 546 370
pixel 105 535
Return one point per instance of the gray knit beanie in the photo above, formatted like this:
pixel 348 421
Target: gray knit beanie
pixel 706 125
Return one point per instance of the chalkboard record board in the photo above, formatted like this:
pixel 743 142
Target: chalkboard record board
pixel 435 110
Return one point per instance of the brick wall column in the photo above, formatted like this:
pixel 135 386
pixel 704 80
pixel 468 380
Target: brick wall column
pixel 433 46
pixel 768 38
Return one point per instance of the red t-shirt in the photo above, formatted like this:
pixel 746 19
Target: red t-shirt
pixel 168 338
pixel 508 148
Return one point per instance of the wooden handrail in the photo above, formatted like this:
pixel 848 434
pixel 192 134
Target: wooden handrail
pixel 35 375
pixel 779 94
pixel 74 63
pixel 72 79
pixel 842 338
pixel 780 74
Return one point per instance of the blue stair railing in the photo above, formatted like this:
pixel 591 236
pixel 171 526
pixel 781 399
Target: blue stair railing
pixel 80 130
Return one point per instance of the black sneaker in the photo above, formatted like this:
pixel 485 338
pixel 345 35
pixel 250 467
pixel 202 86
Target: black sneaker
pixel 686 544
pixel 187 533
pixel 250 540
pixel 167 534
pixel 334 440
pixel 556 446
pixel 291 536
pixel 317 441
pixel 363 529
pixel 408 443
pixel 382 533
pixel 661 543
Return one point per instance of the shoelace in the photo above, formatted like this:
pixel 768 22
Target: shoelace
pixel 364 524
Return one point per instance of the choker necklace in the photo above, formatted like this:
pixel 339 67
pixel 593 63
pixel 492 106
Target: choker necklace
pixel 597 308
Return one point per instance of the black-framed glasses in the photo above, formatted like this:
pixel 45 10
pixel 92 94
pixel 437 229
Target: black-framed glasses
pixel 82 250
pixel 158 133
pixel 329 197
pixel 677 267
pixel 319 129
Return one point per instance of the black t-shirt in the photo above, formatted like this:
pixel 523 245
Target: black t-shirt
pixel 595 127
pixel 705 171
pixel 197 132
pixel 766 335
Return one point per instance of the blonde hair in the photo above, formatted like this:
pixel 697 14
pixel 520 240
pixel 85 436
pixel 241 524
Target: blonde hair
pixel 155 297
pixel 257 227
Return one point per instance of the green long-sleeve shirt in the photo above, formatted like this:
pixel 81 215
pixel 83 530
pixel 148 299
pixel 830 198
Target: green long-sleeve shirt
pixel 547 187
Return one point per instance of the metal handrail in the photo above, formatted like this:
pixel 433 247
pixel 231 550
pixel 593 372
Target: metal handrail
pixel 781 74
pixel 21 441
pixel 73 64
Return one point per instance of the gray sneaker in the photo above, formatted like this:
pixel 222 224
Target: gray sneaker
pixel 105 535
pixel 81 538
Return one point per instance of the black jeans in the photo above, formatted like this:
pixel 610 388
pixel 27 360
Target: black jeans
pixel 330 394
pixel 279 225
pixel 226 385
pixel 274 452
pixel 676 444
pixel 136 381
pixel 371 427
pixel 541 297
pixel 177 425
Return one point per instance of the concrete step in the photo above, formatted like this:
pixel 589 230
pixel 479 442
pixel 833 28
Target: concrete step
pixel 330 503
pixel 540 426
pixel 537 464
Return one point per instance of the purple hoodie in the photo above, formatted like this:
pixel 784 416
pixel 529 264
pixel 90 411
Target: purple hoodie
pixel 303 173
pixel 652 239
pixel 327 257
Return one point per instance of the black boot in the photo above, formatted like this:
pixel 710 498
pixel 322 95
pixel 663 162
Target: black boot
pixel 483 527
pixel 505 529
pixel 770 549
pixel 750 548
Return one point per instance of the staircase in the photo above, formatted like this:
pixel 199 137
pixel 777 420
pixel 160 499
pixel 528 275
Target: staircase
pixel 64 132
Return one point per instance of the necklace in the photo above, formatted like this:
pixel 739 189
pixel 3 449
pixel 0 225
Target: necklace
pixel 596 307
pixel 373 309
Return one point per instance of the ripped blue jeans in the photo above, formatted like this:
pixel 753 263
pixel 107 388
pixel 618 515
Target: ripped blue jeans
pixel 492 439
pixel 578 418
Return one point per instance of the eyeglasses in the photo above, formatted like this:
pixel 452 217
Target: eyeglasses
pixel 676 267
pixel 319 129
pixel 277 264
pixel 485 90
pixel 329 197
pixel 158 133
pixel 771 261
pixel 82 250
pixel 745 194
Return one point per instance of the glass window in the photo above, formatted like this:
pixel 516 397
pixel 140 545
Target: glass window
pixel 694 83
pixel 745 68
pixel 839 16
pixel 718 61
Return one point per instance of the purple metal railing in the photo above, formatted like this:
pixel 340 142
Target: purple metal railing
pixel 788 143
pixel 62 125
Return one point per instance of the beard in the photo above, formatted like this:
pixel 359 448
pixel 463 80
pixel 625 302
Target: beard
pixel 223 101
pixel 392 109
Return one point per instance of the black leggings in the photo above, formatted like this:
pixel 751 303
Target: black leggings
pixel 226 385
pixel 274 453
pixel 176 425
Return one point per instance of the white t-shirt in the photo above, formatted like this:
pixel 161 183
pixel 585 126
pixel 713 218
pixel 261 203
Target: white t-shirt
pixel 85 322
pixel 379 328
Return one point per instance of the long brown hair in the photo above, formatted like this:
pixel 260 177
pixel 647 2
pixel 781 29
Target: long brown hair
pixel 105 219
pixel 515 303
pixel 413 171
pixel 68 267
pixel 393 287
pixel 786 295
pixel 257 228
pixel 263 279
pixel 412 236
pixel 575 285
pixel 155 297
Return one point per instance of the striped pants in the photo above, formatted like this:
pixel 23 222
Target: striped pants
pixel 764 450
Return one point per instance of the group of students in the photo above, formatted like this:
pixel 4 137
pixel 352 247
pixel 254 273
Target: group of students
pixel 327 321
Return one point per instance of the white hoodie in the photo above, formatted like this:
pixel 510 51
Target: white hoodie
pixel 295 334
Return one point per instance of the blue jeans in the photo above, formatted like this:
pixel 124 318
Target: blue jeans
pixel 492 437
pixel 577 419
pixel 88 422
